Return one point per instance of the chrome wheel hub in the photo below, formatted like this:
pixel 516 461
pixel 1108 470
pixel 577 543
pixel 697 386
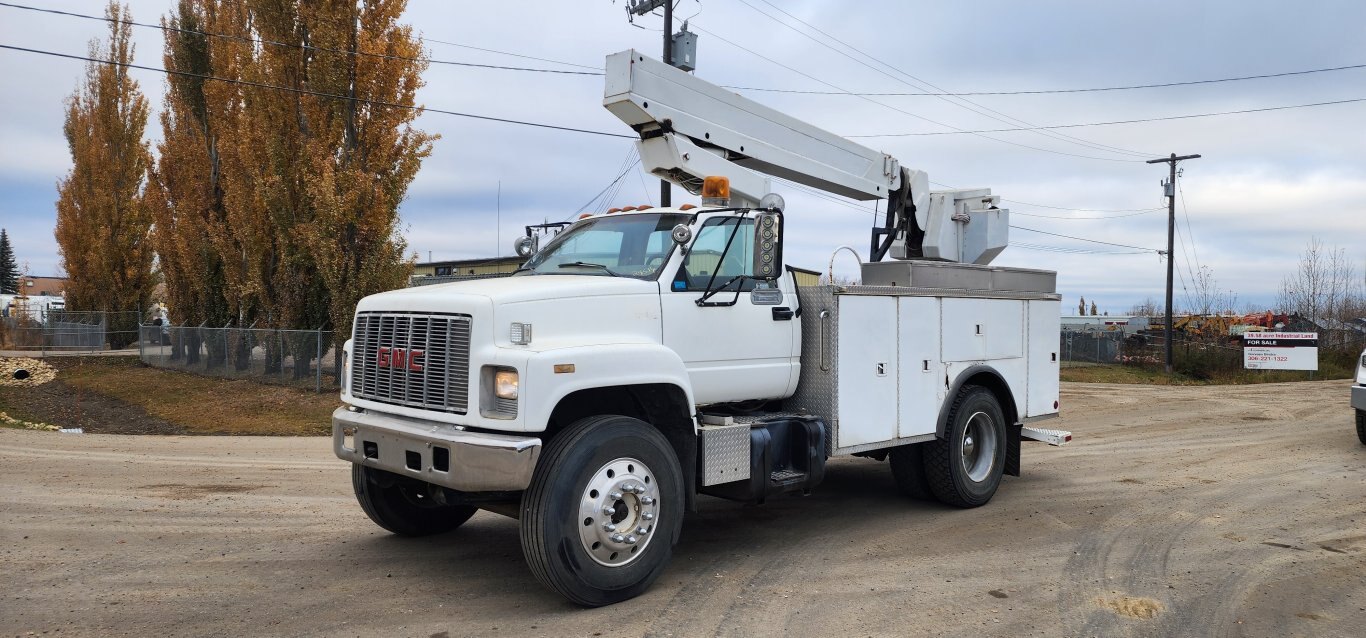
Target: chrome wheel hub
pixel 978 447
pixel 617 512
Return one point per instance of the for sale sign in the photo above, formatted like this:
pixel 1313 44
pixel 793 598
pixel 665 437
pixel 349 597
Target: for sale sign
pixel 1281 350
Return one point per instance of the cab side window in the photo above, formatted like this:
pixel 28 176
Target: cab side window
pixel 706 259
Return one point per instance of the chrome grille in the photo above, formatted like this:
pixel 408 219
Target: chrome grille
pixel 438 379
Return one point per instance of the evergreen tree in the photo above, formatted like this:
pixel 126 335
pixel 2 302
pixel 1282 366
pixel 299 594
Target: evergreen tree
pixel 9 270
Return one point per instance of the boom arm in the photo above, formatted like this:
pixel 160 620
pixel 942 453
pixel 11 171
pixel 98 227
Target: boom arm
pixel 690 128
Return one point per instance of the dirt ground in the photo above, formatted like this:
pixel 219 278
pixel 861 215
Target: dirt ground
pixel 1176 511
pixel 119 395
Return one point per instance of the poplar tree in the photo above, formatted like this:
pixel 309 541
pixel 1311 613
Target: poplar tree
pixel 277 198
pixel 103 225
pixel 185 191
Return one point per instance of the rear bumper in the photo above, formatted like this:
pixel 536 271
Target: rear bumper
pixel 474 461
pixel 1359 397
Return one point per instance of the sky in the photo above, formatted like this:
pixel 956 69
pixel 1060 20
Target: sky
pixel 1266 184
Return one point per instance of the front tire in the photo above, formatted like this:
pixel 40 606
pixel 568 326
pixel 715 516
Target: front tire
pixel 1361 426
pixel 403 506
pixel 603 511
pixel 964 468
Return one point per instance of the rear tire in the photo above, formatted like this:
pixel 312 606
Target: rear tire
pixel 597 485
pixel 1361 426
pixel 398 506
pixel 964 468
pixel 908 470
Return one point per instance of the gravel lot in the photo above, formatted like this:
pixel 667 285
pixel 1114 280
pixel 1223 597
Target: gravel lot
pixel 1176 511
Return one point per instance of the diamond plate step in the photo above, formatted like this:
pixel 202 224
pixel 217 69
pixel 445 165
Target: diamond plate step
pixel 1051 437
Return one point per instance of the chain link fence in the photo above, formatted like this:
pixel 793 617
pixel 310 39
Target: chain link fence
pixel 301 358
pixel 1093 346
pixel 70 331
pixel 429 280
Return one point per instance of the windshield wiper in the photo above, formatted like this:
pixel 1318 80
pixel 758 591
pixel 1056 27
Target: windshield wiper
pixel 587 264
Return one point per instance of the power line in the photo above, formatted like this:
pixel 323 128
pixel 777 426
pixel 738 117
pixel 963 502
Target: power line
pixel 1079 210
pixel 1135 121
pixel 588 204
pixel 292 45
pixel 515 55
pixel 957 101
pixel 834 199
pixel 1052 91
pixel 1189 231
pixel 1093 241
pixel 903 111
pixel 1146 212
pixel 261 85
pixel 1067 250
pixel 1139 249
pixel 644 187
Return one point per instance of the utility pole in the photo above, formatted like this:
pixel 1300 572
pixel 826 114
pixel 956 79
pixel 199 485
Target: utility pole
pixel 640 8
pixel 666 188
pixel 1170 186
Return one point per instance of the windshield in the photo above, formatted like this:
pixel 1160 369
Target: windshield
pixel 621 246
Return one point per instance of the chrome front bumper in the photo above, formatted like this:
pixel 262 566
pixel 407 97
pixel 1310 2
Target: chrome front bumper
pixel 472 461
pixel 1359 397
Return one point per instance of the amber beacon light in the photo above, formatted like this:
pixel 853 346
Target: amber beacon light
pixel 716 191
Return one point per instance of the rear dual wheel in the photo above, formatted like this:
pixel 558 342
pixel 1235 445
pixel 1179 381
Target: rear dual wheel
pixel 603 511
pixel 964 468
pixel 1361 426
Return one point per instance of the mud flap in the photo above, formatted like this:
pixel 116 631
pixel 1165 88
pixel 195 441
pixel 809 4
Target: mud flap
pixel 1013 450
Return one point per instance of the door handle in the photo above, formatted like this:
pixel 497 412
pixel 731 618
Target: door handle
pixel 783 314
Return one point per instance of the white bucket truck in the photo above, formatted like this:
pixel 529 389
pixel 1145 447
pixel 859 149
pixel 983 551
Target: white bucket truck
pixel 643 358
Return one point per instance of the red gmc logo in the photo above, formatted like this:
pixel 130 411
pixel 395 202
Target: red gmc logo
pixel 399 358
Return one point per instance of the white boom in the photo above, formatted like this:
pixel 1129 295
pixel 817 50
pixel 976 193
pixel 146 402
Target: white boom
pixel 690 128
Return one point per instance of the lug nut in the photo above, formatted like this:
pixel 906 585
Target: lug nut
pixel 649 516
pixel 648 500
pixel 642 531
pixel 609 510
pixel 608 526
pixel 618 538
pixel 616 496
pixel 631 540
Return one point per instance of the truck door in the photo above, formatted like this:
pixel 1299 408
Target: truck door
pixel 737 347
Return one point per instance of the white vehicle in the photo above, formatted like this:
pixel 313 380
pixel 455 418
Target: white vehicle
pixel 642 358
pixel 1359 397
pixel 31 307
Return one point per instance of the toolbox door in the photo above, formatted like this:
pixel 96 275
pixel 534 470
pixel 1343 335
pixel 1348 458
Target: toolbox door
pixel 921 386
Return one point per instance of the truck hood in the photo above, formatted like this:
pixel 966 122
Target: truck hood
pixel 457 296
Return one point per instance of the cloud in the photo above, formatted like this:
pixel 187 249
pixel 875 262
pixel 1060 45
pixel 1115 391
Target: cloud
pixel 1268 182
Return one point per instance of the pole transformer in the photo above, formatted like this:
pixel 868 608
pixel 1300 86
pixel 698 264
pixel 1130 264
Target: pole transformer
pixel 1170 192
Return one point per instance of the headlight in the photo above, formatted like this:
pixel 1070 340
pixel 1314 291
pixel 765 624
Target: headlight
pixel 505 384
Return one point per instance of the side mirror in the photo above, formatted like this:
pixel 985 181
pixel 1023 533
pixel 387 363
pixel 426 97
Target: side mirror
pixel 525 246
pixel 768 246
pixel 681 234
